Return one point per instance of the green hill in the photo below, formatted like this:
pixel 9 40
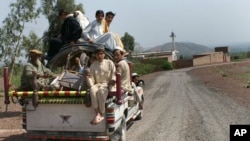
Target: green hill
pixel 185 49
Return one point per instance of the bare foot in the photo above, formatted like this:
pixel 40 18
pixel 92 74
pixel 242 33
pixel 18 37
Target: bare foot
pixel 94 121
pixel 101 119
pixel 97 120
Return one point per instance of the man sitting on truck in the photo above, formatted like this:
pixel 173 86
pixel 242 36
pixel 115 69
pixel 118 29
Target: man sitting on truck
pixel 35 75
pixel 137 84
pixel 95 32
pixel 70 34
pixel 106 22
pixel 101 76
pixel 123 68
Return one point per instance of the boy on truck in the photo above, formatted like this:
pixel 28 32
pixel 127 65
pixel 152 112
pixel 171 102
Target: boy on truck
pixel 100 78
pixel 123 67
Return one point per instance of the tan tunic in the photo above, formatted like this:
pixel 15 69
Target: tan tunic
pixel 125 75
pixel 100 74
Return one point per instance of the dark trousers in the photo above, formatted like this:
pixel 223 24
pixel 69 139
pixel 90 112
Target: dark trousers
pixel 55 45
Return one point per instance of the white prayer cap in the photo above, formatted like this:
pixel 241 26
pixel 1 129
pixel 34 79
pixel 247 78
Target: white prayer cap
pixel 119 48
pixel 134 74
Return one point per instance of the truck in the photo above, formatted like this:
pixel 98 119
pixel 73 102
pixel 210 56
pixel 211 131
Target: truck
pixel 64 111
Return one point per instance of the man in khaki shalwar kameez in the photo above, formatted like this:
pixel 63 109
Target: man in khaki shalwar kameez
pixel 123 67
pixel 101 76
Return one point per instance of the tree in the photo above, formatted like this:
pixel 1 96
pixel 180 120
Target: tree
pixel 32 42
pixel 128 42
pixel 22 12
pixel 181 57
pixel 50 10
pixel 248 54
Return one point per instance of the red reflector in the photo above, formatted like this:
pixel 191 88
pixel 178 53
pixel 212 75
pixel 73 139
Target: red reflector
pixel 24 119
pixel 110 120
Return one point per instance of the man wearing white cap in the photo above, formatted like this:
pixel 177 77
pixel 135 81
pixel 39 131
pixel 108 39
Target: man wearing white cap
pixel 136 84
pixel 123 68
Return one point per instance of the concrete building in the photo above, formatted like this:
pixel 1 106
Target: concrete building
pixel 149 55
pixel 220 55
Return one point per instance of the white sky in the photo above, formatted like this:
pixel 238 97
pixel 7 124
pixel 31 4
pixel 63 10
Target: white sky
pixel 150 22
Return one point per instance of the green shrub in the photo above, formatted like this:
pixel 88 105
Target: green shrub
pixel 143 69
pixel 167 66
pixel 16 76
pixel 147 66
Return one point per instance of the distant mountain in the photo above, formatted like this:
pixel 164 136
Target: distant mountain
pixel 186 49
pixel 239 47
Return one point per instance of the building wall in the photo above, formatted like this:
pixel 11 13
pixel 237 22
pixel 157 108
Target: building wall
pixel 182 63
pixel 217 57
pixel 224 49
pixel 167 57
pixel 212 58
pixel 227 57
pixel 202 60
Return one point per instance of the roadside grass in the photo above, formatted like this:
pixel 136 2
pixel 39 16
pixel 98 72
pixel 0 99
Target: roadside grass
pixel 221 71
pixel 246 76
pixel 16 77
pixel 248 81
pixel 243 77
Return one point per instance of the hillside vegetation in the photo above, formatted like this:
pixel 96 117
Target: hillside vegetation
pixel 185 49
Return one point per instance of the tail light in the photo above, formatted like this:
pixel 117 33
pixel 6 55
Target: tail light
pixel 111 120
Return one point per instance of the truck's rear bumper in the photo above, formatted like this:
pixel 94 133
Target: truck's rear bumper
pixel 76 136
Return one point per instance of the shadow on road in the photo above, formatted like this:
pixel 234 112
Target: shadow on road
pixel 9 114
pixel 19 137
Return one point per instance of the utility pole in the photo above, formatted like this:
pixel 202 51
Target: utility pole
pixel 174 51
pixel 172 35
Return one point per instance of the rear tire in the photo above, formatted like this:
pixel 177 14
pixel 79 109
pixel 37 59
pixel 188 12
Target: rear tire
pixel 139 117
pixel 120 134
pixel 122 129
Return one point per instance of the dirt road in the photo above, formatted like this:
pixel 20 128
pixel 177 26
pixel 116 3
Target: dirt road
pixel 180 108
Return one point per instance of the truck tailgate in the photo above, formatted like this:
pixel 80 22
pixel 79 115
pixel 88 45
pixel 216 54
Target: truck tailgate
pixel 62 117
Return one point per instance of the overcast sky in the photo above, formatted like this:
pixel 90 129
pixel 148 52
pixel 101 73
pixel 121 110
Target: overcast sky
pixel 150 22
